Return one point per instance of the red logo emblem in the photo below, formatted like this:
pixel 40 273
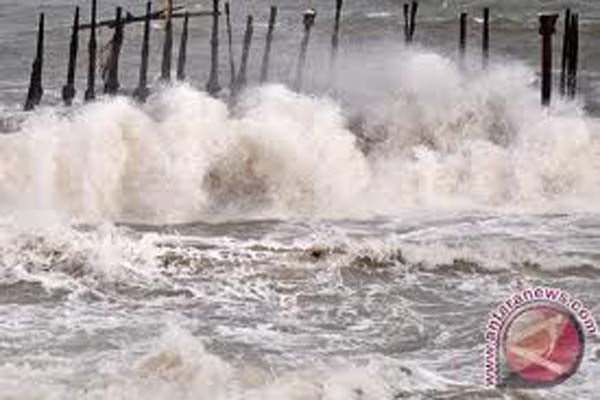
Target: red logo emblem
pixel 542 345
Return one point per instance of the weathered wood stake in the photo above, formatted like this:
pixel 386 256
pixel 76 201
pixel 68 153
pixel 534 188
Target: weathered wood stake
pixel 142 92
pixel 309 21
pixel 68 91
pixel 485 42
pixel 230 45
pixel 264 70
pixel 573 56
pixel 462 43
pixel 167 55
pixel 414 7
pixel 547 29
pixel 406 8
pixel 242 79
pixel 565 52
pixel 111 85
pixel 90 92
pixel 335 38
pixel 181 60
pixel 35 92
pixel 213 87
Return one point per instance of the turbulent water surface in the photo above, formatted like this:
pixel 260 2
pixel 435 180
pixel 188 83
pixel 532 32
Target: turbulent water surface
pixel 343 244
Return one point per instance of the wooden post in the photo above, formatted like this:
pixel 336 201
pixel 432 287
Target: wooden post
pixel 264 70
pixel 485 42
pixel 183 49
pixel 242 74
pixel 35 92
pixel 68 91
pixel 309 21
pixel 406 8
pixel 335 38
pixel 111 86
pixel 230 43
pixel 414 7
pixel 462 44
pixel 141 92
pixel 213 87
pixel 167 44
pixel 565 52
pixel 573 56
pixel 90 93
pixel 547 29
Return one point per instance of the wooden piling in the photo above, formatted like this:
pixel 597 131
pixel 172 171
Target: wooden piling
pixel 485 38
pixel 335 38
pixel 242 78
pixel 264 70
pixel 406 8
pixel 142 92
pixel 308 21
pixel 181 60
pixel 230 45
pixel 462 42
pixel 547 29
pixel 35 92
pixel 167 55
pixel 111 85
pixel 565 52
pixel 414 7
pixel 573 56
pixel 90 92
pixel 213 87
pixel 68 91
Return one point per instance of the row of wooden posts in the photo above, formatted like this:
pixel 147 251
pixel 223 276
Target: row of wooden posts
pixel 570 55
pixel 111 73
pixel 570 50
pixel 238 77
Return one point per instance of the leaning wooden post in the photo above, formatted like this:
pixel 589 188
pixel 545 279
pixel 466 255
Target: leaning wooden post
pixel 112 85
pixel 335 38
pixel 68 91
pixel 565 52
pixel 462 43
pixel 213 87
pixel 90 92
pixel 414 7
pixel 167 44
pixel 309 21
pixel 573 56
pixel 547 29
pixel 485 42
pixel 264 70
pixel 230 45
pixel 35 92
pixel 181 60
pixel 406 8
pixel 142 92
pixel 241 79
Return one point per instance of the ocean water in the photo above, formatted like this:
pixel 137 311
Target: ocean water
pixel 346 242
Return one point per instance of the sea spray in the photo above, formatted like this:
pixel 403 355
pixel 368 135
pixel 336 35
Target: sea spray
pixel 167 161
pixel 477 140
pixel 437 137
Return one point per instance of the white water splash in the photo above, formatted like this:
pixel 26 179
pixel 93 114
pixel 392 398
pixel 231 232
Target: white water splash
pixel 438 137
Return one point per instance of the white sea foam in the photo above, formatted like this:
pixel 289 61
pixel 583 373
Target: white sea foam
pixel 177 366
pixel 445 138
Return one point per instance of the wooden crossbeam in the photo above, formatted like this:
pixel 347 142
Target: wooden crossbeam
pixel 130 19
